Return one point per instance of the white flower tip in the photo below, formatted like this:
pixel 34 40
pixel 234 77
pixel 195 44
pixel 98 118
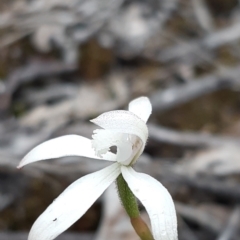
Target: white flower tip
pixel 19 166
pixel 93 120
pixel 142 99
pixel 23 162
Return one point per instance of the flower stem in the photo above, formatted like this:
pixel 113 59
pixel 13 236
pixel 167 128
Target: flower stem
pixel 129 202
pixel 127 198
pixel 141 228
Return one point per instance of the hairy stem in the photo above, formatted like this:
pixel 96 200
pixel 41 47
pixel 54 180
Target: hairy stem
pixel 129 202
pixel 127 198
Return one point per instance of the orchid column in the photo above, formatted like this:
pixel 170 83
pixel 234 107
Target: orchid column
pixel 127 130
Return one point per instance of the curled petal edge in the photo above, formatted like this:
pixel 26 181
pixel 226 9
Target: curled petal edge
pixel 124 122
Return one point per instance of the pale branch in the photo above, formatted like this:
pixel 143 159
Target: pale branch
pixel 189 139
pixel 211 41
pixel 232 225
pixel 163 100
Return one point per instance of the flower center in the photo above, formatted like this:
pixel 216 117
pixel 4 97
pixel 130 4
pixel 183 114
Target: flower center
pixel 129 147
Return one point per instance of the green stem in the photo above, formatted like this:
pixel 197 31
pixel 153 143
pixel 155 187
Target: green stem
pixel 129 202
pixel 127 198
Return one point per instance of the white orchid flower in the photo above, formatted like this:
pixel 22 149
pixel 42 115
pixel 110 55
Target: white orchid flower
pixel 127 130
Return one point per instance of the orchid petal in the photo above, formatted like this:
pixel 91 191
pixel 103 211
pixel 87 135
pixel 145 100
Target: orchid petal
pixel 157 201
pixel 141 107
pixel 72 203
pixel 124 122
pixel 70 145
pixel 104 139
pixel 124 152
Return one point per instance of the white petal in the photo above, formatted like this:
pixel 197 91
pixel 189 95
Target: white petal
pixel 141 107
pixel 157 201
pixel 70 145
pixel 72 203
pixel 124 122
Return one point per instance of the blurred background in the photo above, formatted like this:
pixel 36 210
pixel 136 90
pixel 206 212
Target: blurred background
pixel 64 62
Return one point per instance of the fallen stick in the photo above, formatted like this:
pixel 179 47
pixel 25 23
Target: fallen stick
pixel 163 100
